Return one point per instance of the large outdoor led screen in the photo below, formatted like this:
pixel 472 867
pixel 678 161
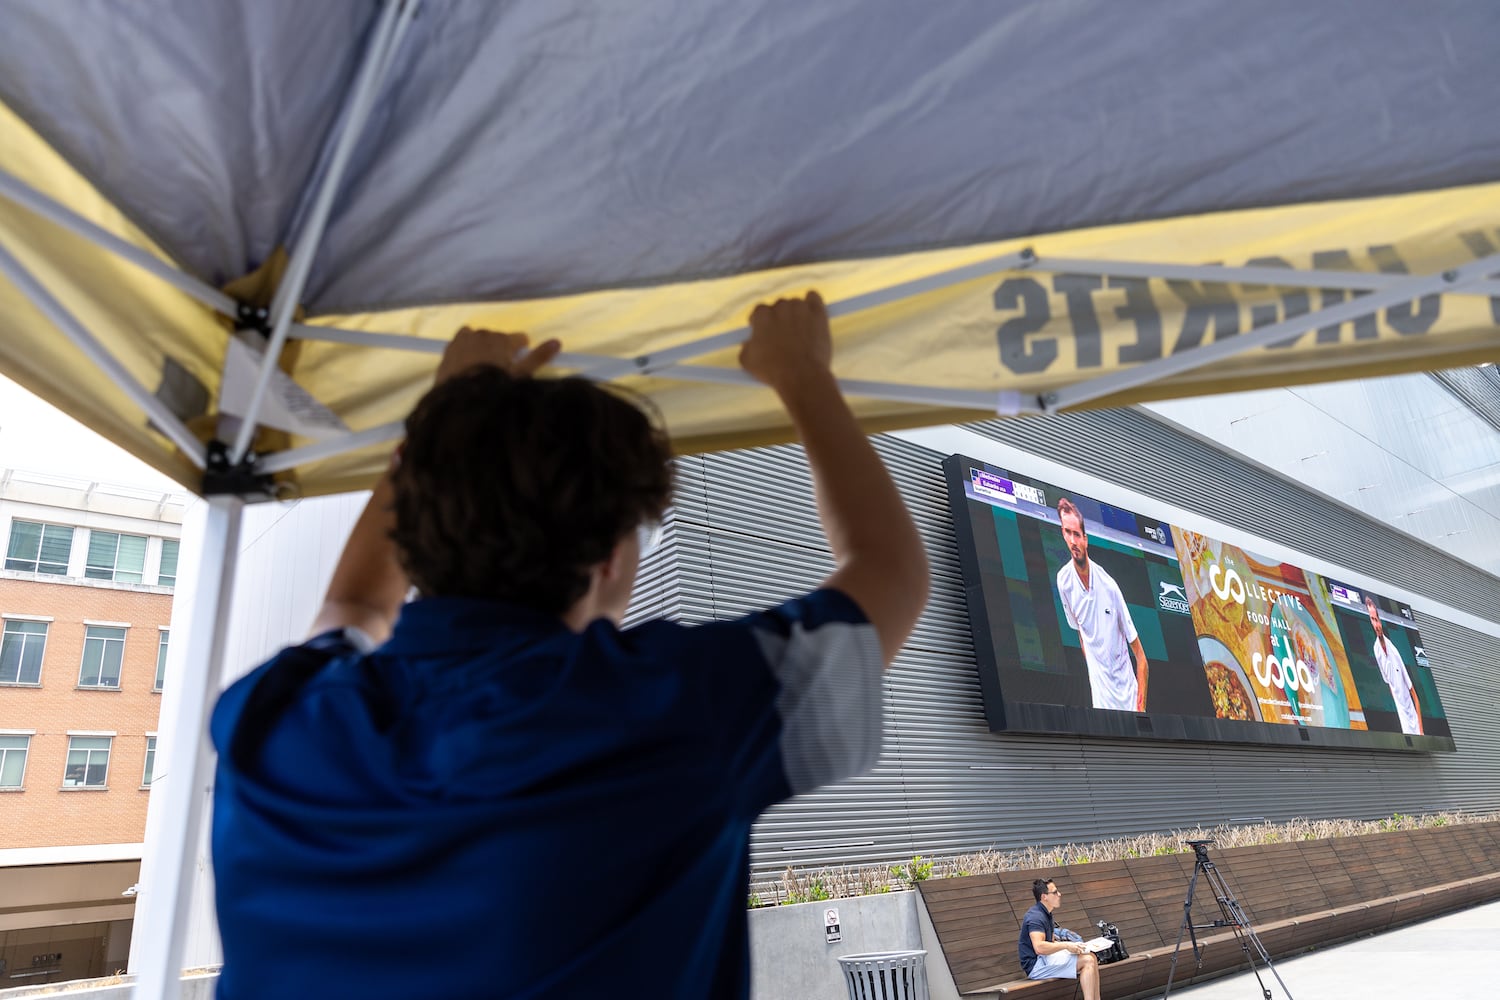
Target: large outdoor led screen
pixel 1090 618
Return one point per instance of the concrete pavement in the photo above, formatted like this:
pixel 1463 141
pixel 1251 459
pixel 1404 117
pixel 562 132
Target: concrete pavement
pixel 1456 957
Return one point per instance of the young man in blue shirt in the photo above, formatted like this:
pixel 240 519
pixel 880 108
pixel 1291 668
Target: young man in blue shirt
pixel 494 790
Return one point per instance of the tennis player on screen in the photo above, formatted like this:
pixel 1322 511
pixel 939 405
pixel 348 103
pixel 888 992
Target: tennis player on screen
pixel 1094 606
pixel 1393 670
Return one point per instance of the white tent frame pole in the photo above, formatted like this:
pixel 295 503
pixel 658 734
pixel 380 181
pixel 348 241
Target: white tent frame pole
pixel 34 201
pixel 1373 292
pixel 1403 291
pixel 282 460
pixel 1005 402
pixel 180 797
pixel 167 421
pixel 1001 401
pixel 418 345
pixel 395 18
pixel 647 364
pixel 1278 277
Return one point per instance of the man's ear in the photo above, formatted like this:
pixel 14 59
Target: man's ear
pixel 618 562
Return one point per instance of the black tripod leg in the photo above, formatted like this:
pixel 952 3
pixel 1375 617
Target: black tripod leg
pixel 1186 925
pixel 1234 916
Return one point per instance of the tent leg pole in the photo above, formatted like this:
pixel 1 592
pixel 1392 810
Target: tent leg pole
pixel 180 793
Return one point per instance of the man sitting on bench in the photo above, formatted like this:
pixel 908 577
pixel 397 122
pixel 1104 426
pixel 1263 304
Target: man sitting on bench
pixel 1044 958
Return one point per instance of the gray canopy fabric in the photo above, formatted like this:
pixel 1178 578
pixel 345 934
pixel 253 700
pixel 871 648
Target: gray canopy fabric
pixel 1191 191
pixel 544 148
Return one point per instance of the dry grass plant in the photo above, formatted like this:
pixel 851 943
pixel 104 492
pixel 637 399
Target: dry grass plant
pixel 842 882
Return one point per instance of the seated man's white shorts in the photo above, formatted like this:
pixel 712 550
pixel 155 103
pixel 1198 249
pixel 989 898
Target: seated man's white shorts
pixel 1058 965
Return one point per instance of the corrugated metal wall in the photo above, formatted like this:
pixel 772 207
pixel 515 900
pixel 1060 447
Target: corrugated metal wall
pixel 745 534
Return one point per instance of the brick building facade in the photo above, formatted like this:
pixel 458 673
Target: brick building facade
pixel 87 576
pixel 51 807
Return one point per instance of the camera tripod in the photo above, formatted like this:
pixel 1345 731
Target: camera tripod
pixel 1231 916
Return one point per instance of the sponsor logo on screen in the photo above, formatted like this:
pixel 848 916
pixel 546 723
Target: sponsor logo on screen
pixel 1172 598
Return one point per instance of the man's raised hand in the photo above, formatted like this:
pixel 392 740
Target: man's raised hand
pixel 789 340
pixel 506 351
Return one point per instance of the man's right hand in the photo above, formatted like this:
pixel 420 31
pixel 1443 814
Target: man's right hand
pixel 506 351
pixel 789 341
pixel 879 558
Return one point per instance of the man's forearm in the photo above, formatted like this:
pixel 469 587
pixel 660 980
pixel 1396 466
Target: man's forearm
pixel 1142 672
pixel 864 518
pixel 368 585
pixel 861 510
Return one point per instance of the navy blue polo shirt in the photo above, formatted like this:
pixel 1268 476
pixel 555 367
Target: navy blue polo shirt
pixel 1038 918
pixel 490 804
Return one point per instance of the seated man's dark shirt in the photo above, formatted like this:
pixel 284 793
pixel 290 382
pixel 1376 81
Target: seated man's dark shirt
pixel 1037 919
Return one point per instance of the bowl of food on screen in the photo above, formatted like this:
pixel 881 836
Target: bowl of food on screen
pixel 1228 687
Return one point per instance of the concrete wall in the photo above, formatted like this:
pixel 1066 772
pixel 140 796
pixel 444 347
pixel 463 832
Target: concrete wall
pixel 113 988
pixel 790 958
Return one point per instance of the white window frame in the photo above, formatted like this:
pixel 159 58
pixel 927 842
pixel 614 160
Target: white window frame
pixel 161 555
pixel 108 752
pixel 123 628
pixel 25 753
pixel 31 620
pixel 114 567
pixel 164 639
pixel 41 542
pixel 147 769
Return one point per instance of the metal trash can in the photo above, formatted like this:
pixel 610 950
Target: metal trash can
pixel 886 975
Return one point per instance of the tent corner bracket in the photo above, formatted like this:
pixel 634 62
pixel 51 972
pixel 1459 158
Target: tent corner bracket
pixel 252 317
pixel 221 477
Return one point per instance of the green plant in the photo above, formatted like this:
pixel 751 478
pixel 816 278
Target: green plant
pixel 755 901
pixel 917 871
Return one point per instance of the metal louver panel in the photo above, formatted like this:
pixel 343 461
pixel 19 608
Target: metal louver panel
pixel 745 535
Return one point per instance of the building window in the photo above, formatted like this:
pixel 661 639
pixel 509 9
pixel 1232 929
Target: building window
pixel 167 577
pixel 103 651
pixel 112 556
pixel 21 652
pixel 88 762
pixel 13 760
pixel 39 548
pixel 150 762
pixel 161 661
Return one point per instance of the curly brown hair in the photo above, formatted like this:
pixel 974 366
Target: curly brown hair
pixel 511 489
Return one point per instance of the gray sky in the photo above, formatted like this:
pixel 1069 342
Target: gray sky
pixel 36 437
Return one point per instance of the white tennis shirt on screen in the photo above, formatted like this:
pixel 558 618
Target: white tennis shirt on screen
pixel 1105 631
pixel 1396 677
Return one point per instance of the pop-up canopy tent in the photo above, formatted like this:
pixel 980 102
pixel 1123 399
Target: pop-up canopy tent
pixel 234 236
